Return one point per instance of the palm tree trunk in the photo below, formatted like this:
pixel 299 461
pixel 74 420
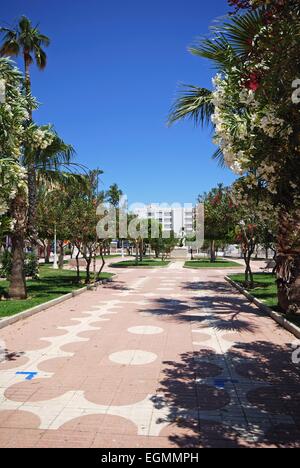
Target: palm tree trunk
pixel 288 262
pixel 32 204
pixel 27 81
pixel 31 169
pixel 17 287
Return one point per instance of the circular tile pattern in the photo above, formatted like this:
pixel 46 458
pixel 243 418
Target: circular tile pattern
pixel 145 330
pixel 133 357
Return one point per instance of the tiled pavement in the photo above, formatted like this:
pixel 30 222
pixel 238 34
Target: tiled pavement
pixel 158 358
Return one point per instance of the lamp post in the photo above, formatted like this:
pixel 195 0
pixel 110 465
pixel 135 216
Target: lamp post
pixel 55 265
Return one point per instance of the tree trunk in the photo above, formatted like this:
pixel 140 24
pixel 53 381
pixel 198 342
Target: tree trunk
pixel 212 251
pixel 27 62
pixel 47 252
pixel 103 263
pixel 17 287
pixel 32 202
pixel 77 265
pixel 61 255
pixel 141 250
pixel 288 262
pixel 88 269
pixel 249 279
pixel 31 166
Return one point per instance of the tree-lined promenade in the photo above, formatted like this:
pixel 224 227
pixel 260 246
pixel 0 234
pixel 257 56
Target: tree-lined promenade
pixel 163 346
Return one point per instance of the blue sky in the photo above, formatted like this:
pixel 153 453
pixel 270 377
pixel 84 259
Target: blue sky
pixel 112 74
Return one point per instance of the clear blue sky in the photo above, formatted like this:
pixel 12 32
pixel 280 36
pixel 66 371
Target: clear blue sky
pixel 112 74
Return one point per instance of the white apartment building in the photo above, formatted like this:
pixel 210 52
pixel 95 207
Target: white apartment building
pixel 177 218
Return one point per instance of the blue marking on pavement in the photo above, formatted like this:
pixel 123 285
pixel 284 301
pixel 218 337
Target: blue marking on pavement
pixel 30 375
pixel 220 383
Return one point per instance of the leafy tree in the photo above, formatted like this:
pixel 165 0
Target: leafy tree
pixel 219 217
pixel 255 220
pixel 13 193
pixel 113 195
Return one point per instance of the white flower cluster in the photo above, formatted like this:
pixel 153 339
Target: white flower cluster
pixel 40 138
pixel 229 126
pixel 13 111
pixel 2 91
pixel 12 180
pixel 242 129
pixel 270 124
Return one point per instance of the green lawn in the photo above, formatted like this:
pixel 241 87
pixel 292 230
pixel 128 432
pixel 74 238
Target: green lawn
pixel 107 257
pixel 145 263
pixel 52 284
pixel 265 288
pixel 205 263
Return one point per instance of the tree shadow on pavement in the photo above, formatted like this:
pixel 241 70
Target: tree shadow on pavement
pixel 204 414
pixel 117 286
pixel 220 312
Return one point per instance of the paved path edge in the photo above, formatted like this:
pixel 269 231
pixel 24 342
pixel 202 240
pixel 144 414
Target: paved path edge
pixel 46 305
pixel 292 328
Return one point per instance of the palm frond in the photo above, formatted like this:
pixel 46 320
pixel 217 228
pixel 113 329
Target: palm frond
pixel 26 39
pixel 192 103
pixel 217 50
pixel 219 157
pixel 242 29
pixel 40 58
pixel 61 180
pixel 58 153
pixel 44 40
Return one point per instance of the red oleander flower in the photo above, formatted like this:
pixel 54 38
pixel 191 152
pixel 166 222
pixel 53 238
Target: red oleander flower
pixel 253 82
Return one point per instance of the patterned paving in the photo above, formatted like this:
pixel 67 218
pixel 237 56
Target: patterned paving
pixel 158 358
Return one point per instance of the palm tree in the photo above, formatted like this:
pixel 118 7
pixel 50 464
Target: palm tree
pixel 27 40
